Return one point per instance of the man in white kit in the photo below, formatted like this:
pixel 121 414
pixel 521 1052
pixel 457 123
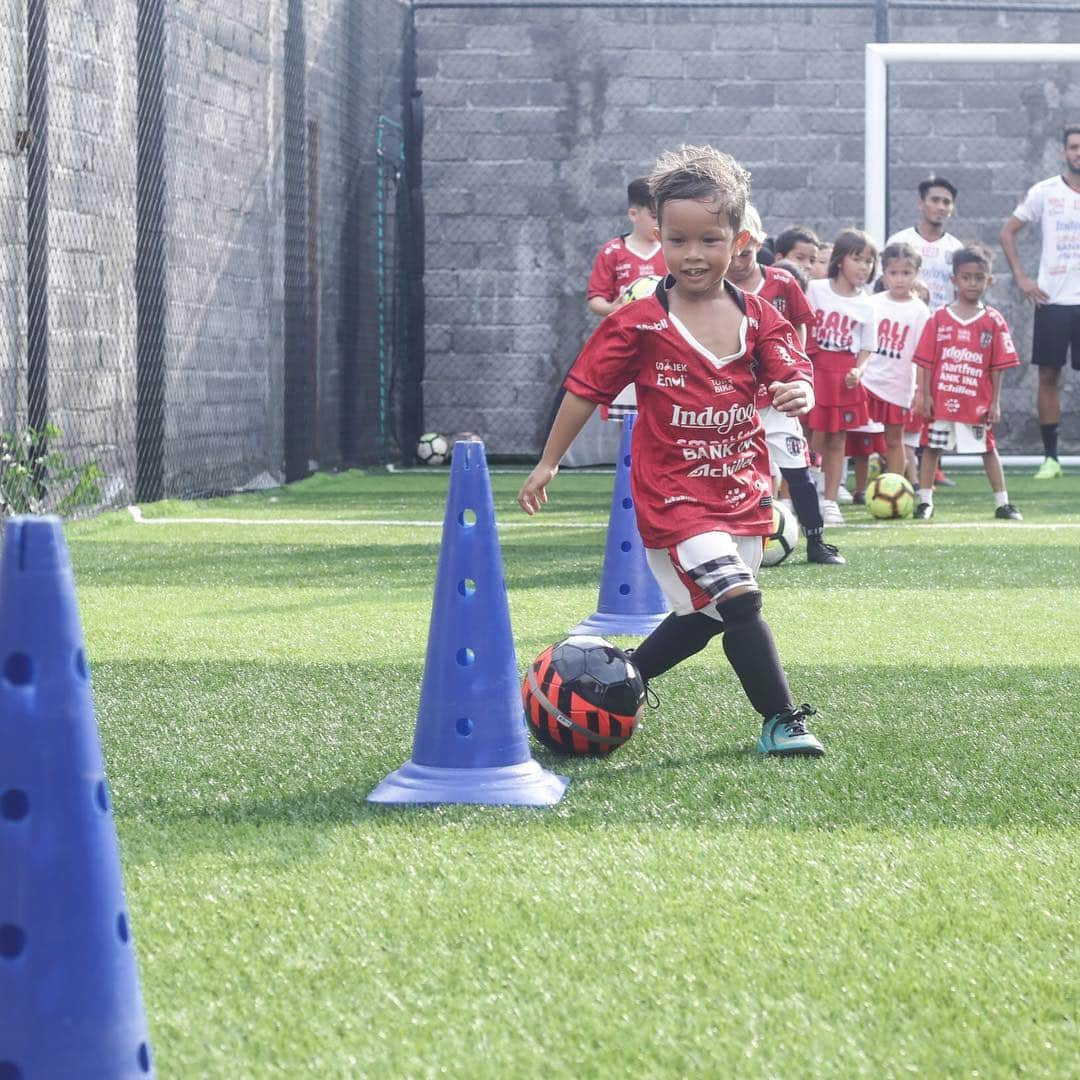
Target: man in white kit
pixel 1055 204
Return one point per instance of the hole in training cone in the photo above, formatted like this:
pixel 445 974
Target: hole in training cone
pixel 631 602
pixel 470 744
pixel 70 1004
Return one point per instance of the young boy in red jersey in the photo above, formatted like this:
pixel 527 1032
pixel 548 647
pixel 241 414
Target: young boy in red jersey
pixel 624 259
pixel 961 355
pixel 788 450
pixel 697 351
pixel 797 244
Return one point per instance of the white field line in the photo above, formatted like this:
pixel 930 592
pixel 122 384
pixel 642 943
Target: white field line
pixel 541 523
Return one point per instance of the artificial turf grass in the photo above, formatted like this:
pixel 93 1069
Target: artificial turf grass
pixel 247 710
pixel 495 943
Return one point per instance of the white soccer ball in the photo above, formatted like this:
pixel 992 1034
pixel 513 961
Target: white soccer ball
pixel 783 539
pixel 638 290
pixel 432 449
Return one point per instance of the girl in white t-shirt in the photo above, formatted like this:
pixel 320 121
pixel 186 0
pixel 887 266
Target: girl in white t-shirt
pixel 889 378
pixel 839 346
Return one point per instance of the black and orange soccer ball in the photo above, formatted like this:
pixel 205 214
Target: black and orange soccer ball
pixel 583 696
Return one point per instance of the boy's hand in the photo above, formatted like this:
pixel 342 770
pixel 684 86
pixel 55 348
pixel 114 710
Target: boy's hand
pixel 993 414
pixel 925 407
pixel 851 379
pixel 534 491
pixel 792 398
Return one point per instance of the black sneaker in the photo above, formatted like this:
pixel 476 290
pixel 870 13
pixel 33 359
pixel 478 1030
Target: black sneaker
pixel 1008 512
pixel 924 512
pixel 817 551
pixel 858 498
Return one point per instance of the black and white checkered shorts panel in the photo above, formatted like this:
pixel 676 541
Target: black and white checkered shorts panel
pixel 699 572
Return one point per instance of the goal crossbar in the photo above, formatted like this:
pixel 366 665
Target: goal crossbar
pixel 879 57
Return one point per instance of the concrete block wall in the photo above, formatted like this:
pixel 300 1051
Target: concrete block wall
pixel 12 208
pixel 223 212
pixel 92 91
pixel 537 116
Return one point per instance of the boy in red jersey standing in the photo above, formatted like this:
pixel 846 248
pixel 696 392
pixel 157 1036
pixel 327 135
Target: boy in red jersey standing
pixel 624 259
pixel 960 358
pixel 697 351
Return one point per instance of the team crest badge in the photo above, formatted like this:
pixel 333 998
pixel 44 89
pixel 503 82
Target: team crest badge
pixel 793 444
pixel 849 416
pixel 985 338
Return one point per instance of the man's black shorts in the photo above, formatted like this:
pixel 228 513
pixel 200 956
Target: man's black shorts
pixel 1057 332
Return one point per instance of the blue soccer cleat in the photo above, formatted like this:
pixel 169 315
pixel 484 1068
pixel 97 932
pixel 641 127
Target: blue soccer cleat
pixel 785 735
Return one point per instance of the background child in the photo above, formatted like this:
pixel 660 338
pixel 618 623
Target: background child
pixel 889 379
pixel 860 444
pixel 625 258
pixel 839 346
pixel 820 268
pixel 788 452
pixel 961 355
pixel 697 350
pixel 797 244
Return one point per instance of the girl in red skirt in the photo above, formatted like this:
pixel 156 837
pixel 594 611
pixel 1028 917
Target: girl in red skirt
pixel 839 345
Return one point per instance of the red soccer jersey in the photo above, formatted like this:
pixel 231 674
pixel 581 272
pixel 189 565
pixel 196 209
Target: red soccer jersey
pixel 699 461
pixel 961 355
pixel 780 288
pixel 616 266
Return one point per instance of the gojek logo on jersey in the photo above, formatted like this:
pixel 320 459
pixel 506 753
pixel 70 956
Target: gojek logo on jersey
pixel 719 420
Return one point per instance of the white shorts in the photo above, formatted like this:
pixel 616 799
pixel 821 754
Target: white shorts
pixel 784 436
pixel 624 403
pixel 697 573
pixel 957 437
pixel 912 438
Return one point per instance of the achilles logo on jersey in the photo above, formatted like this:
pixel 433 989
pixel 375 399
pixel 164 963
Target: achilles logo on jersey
pixel 720 472
pixel 722 420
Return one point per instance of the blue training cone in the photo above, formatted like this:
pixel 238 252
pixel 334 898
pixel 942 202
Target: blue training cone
pixel 631 602
pixel 470 744
pixel 70 1004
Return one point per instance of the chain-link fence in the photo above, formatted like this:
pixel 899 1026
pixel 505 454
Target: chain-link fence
pixel 204 235
pixel 537 114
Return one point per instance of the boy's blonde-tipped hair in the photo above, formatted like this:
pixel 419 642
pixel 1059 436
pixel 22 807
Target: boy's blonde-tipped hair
pixel 705 174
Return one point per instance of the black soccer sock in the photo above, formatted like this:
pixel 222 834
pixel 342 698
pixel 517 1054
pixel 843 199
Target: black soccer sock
pixel 751 650
pixel 805 500
pixel 1049 438
pixel 675 639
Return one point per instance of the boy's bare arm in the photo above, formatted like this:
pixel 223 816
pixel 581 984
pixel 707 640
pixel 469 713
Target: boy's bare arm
pixel 924 402
pixel 993 414
pixel 1028 286
pixel 572 416
pixel 599 306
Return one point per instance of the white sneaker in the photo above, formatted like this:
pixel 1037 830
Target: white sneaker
pixel 830 513
pixel 843 495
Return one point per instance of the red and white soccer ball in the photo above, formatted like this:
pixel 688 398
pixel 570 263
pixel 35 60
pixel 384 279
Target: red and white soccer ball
pixel 583 696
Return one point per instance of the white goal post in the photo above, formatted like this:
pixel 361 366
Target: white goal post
pixel 878 59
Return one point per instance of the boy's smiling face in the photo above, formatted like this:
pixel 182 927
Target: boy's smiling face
pixel 699 243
